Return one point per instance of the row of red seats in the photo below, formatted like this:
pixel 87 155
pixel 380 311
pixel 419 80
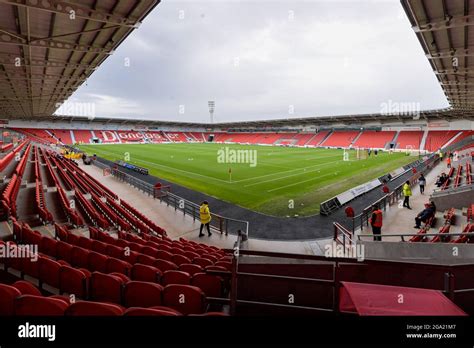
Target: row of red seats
pixel 91 255
pixel 448 180
pixel 91 213
pixel 6 147
pixel 419 237
pixel 109 214
pixel 468 172
pixel 6 160
pixel 71 213
pixel 150 253
pixel 135 223
pixel 194 251
pixel 24 299
pixel 20 168
pixel 465 239
pixel 44 214
pixel 70 185
pixel 155 228
pixel 457 180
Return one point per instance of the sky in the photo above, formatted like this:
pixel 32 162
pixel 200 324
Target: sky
pixel 264 59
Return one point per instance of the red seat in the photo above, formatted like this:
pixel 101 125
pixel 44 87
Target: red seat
pixel 191 255
pixel 148 250
pixel 190 268
pixel 73 239
pixel 80 257
pixel 115 251
pixel 99 247
pixel 164 265
pixel 142 294
pixel 87 308
pixel 26 288
pixel 202 262
pixel 49 272
pixel 30 266
pixel 29 305
pixel 186 299
pixel 146 260
pixel 164 255
pixel 73 281
pixel 106 288
pixel 180 259
pixel 8 294
pixel 131 257
pixel 211 285
pixel 144 312
pixel 146 273
pixel 225 264
pixel 48 246
pixel 136 247
pixel 30 237
pixel 64 251
pixel 176 277
pixel 211 314
pixel 98 262
pixel 119 266
pixel 122 243
pixel 85 243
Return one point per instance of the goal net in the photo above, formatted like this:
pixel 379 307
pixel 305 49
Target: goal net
pixel 410 150
pixel 362 154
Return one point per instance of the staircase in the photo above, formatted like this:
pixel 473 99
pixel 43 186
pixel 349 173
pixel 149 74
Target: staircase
pixel 452 140
pixel 423 140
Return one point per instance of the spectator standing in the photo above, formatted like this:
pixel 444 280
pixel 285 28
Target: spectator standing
pixel 385 188
pixel 422 182
pixel 376 222
pixel 407 193
pixel 448 162
pixel 205 217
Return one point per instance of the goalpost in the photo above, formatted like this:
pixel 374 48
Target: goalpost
pixel 411 151
pixel 362 153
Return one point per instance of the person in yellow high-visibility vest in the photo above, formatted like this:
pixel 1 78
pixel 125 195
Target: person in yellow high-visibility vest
pixel 407 193
pixel 205 217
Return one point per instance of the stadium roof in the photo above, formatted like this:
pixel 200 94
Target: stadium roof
pixel 48 48
pixel 446 33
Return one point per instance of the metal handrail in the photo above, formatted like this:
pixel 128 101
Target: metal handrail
pixel 457 234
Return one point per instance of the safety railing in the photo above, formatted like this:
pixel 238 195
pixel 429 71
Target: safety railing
pixel 405 236
pixel 220 223
pixel 361 220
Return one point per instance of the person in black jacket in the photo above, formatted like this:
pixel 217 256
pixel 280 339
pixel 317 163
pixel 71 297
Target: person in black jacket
pixel 425 215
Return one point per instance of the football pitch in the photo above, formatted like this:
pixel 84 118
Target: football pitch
pixel 279 181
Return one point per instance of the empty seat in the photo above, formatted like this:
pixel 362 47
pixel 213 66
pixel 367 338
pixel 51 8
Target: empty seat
pixel 29 305
pixel 80 257
pixel 131 257
pixel 73 239
pixel 225 264
pixel 176 277
pixel 118 266
pixel 48 246
pixel 164 255
pixel 106 288
pixel 180 259
pixel 190 268
pixel 202 262
pixel 191 255
pixel 142 294
pixel 30 266
pixel 98 262
pixel 186 299
pixel 144 312
pixel 164 265
pixel 122 243
pixel 115 251
pixel 49 272
pixel 211 285
pixel 87 308
pixel 73 281
pixel 64 251
pixel 146 260
pixel 31 237
pixel 26 288
pixel 8 294
pixel 85 243
pixel 148 250
pixel 136 247
pixel 99 247
pixel 145 273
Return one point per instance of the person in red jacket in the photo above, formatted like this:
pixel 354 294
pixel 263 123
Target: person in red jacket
pixel 376 222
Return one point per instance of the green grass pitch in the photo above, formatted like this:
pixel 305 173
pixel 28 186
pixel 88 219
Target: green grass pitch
pixel 281 181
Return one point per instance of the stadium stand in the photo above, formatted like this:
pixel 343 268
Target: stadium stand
pixel 409 139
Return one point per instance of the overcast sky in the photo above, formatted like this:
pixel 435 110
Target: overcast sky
pixel 264 59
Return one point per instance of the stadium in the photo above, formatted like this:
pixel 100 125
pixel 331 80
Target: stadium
pixel 278 217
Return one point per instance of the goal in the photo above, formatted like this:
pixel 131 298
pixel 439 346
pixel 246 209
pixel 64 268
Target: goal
pixel 410 150
pixel 362 153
